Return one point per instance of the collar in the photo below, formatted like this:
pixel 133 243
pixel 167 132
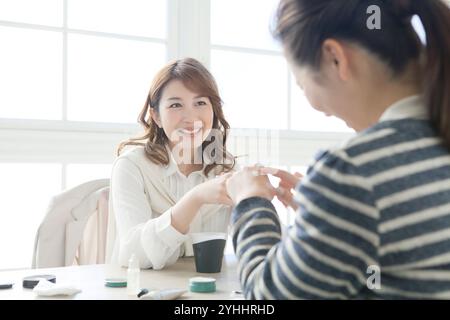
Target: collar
pixel 172 167
pixel 409 107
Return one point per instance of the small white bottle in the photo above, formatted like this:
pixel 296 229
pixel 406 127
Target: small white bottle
pixel 133 276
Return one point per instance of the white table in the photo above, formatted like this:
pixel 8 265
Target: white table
pixel 90 279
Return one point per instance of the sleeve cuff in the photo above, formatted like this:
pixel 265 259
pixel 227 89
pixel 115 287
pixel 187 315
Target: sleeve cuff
pixel 167 233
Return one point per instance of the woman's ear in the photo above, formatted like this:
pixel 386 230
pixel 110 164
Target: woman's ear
pixel 155 117
pixel 336 55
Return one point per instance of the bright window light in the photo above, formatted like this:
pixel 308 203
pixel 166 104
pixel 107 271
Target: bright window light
pixel 253 87
pixel 133 17
pixel 31 74
pixel 43 12
pixel 243 23
pixel 77 174
pixel 27 189
pixel 109 78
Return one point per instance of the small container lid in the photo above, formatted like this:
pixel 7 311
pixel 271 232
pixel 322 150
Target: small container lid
pixel 32 281
pixel 116 282
pixel 202 284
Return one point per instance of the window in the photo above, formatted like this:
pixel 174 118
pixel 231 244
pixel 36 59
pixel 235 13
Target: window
pixel 132 17
pixel 247 91
pixel 252 73
pixel 31 77
pixel 259 91
pixel 28 187
pixel 79 173
pixel 249 67
pixel 41 12
pixel 78 61
pixel 75 74
pixel 119 71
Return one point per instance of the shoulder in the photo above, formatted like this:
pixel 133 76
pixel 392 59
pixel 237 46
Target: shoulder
pixel 135 157
pixel 133 154
pixel 369 152
pixel 340 165
pixel 385 143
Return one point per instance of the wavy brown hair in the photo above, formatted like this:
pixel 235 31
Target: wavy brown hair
pixel 197 79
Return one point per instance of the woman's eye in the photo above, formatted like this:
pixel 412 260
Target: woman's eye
pixel 201 103
pixel 175 105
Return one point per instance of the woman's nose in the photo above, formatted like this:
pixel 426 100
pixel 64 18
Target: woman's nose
pixel 190 115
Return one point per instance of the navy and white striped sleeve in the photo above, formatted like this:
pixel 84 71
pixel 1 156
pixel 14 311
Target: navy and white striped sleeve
pixel 326 253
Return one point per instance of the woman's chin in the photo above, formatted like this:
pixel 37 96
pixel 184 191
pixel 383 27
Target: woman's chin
pixel 190 141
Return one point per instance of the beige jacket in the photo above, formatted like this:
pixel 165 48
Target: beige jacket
pixel 74 228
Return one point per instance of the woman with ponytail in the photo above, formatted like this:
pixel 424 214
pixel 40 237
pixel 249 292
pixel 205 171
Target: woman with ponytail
pixel 373 214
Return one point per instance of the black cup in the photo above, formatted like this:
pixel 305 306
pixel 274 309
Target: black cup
pixel 208 251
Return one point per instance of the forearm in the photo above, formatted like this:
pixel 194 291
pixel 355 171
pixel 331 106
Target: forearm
pixel 256 230
pixel 185 210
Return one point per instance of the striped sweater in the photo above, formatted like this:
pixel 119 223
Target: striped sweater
pixel 373 220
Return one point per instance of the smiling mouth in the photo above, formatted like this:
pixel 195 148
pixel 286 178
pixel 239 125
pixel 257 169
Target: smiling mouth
pixel 193 131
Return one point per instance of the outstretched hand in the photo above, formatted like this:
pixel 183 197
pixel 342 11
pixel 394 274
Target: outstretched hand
pixel 287 183
pixel 249 183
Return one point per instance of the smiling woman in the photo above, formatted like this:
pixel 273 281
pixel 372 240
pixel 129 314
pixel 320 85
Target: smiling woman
pixel 157 197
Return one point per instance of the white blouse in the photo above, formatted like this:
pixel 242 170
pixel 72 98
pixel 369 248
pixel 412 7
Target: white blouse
pixel 141 199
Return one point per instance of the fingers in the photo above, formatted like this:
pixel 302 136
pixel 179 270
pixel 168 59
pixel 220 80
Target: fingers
pixel 285 185
pixel 274 171
pixel 269 170
pixel 286 177
pixel 227 201
pixel 286 197
pixel 283 194
pixel 298 175
pixel 284 202
pixel 255 170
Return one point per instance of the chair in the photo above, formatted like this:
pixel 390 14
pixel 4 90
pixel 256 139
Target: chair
pixel 74 230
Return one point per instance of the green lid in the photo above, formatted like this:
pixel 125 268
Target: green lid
pixel 202 284
pixel 116 282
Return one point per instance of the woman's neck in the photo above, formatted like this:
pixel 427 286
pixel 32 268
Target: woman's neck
pixel 188 162
pixel 376 102
pixel 187 169
pixel 378 106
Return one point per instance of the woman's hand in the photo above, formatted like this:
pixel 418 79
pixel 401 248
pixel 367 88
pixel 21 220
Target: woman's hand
pixel 249 183
pixel 287 182
pixel 213 191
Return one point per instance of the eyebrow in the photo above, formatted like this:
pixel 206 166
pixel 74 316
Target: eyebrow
pixel 177 98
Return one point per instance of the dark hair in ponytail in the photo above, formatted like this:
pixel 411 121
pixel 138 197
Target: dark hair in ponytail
pixel 435 16
pixel 303 25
